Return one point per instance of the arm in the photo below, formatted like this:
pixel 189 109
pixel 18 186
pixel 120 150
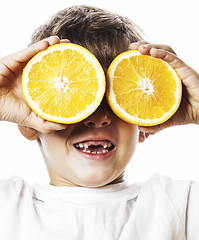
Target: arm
pixel 13 106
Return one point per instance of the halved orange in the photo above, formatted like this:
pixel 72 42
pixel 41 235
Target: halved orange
pixel 64 83
pixel 142 89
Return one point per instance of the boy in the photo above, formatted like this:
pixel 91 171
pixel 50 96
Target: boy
pixel 87 197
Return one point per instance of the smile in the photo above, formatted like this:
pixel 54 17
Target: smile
pixel 95 147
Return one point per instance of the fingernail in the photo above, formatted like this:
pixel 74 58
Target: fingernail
pixel 61 127
pixel 144 46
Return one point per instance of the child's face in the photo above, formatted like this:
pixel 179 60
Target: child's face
pixel 91 153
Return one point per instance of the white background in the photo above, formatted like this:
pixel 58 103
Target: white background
pixel 173 152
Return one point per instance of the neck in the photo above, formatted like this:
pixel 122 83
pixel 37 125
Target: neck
pixel 56 181
pixel 119 179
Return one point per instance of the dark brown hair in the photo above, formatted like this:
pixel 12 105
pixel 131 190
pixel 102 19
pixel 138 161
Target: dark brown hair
pixel 103 33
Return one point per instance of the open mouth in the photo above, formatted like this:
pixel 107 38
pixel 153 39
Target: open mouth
pixel 95 147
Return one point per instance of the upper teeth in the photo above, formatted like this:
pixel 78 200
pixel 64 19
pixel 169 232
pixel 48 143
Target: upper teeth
pixel 87 144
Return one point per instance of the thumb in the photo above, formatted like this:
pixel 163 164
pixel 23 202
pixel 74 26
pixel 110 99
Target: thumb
pixel 15 60
pixel 41 125
pixel 25 54
pixel 157 128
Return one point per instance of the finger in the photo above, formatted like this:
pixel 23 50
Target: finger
pixel 145 49
pixel 25 54
pixel 17 60
pixel 182 69
pixel 151 130
pixel 5 70
pixel 143 136
pixel 38 123
pixel 64 41
pixel 49 127
pixel 135 45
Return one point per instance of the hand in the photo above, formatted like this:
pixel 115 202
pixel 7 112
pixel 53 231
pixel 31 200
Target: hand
pixel 188 111
pixel 13 106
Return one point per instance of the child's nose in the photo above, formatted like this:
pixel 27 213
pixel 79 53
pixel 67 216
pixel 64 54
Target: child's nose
pixel 98 119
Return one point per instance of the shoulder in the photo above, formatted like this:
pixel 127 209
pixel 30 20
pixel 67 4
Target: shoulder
pixel 183 195
pixel 167 194
pixel 168 185
pixel 176 191
pixel 10 183
pixel 13 187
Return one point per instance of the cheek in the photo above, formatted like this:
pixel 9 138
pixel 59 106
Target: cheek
pixel 128 140
pixel 55 144
pixel 53 150
pixel 132 138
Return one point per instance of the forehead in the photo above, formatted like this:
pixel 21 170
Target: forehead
pixel 104 50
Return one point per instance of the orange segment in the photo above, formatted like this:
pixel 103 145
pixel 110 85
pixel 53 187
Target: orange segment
pixel 142 89
pixel 64 83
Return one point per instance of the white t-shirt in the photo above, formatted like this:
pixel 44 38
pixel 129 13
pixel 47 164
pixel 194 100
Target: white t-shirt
pixel 158 209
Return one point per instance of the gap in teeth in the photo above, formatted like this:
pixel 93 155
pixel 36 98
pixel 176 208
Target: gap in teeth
pixel 94 148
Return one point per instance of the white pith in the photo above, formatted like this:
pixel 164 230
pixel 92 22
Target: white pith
pixel 61 83
pixel 146 85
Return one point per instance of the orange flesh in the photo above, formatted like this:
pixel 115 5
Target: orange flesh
pixel 81 86
pixel 130 96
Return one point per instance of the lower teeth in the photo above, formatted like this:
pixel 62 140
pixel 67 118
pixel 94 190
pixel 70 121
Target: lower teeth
pixel 94 152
